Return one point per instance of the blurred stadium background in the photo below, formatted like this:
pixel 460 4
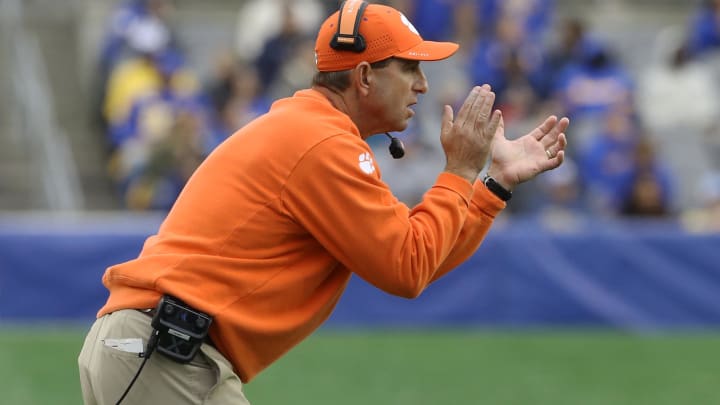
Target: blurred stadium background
pixel 599 285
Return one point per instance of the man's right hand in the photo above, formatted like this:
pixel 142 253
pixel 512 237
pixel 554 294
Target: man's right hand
pixel 467 140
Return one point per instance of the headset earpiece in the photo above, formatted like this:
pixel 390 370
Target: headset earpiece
pixel 347 37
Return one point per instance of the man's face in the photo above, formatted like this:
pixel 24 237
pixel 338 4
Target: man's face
pixel 395 89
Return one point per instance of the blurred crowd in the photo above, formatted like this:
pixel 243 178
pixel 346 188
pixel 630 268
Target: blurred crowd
pixel 642 144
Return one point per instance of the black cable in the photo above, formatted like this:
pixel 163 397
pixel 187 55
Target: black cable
pixel 152 342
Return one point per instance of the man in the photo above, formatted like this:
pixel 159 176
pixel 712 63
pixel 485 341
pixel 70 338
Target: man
pixel 269 229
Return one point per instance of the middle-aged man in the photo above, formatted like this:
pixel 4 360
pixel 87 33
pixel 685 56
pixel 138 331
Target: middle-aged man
pixel 270 228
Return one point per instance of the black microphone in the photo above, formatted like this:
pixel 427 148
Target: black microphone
pixel 397 149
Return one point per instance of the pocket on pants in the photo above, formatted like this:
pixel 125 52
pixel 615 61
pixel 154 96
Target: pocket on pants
pixel 124 325
pixel 161 381
pixel 228 387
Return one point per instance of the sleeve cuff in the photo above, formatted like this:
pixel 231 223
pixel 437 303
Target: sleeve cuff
pixel 457 184
pixel 486 200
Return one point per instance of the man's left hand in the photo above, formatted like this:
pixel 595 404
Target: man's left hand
pixel 520 160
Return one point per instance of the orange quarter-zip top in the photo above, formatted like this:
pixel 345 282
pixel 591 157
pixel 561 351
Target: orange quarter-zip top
pixel 269 229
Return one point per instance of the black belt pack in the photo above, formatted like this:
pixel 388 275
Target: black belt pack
pixel 180 329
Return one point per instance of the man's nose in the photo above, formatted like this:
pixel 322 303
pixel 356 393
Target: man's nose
pixel 421 83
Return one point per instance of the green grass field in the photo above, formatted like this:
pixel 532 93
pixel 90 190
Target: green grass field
pixel 38 366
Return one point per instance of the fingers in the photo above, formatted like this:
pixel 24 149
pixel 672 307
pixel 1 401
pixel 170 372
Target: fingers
pixel 484 108
pixel 447 119
pixel 474 104
pixel 559 146
pixel 495 121
pixel 542 130
pixel 449 113
pixel 468 104
pixel 556 155
pixel 501 126
pixel 549 135
pixel 554 162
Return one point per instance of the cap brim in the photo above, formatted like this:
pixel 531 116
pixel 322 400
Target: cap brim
pixel 429 51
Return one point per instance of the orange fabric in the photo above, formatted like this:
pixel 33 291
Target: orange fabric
pixel 270 227
pixel 387 33
pixel 348 17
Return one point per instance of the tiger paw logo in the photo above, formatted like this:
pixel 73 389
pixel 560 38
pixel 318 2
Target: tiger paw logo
pixel 408 24
pixel 366 163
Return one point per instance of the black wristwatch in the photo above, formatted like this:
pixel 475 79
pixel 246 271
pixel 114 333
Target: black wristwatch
pixel 500 191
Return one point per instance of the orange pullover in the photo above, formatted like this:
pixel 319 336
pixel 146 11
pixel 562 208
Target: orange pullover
pixel 269 229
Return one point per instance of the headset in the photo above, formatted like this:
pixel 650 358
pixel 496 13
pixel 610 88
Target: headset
pixel 348 38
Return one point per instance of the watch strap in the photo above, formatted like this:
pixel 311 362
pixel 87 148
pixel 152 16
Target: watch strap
pixel 495 187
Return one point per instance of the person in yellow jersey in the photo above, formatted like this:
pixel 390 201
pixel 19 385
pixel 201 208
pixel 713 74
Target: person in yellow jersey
pixel 271 226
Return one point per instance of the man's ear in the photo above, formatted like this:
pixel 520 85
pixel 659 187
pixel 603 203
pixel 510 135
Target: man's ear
pixel 364 77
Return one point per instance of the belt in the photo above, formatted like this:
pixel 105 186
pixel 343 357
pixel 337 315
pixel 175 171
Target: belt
pixel 151 313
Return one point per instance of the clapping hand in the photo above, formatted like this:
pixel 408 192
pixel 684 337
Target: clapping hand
pixel 467 139
pixel 520 160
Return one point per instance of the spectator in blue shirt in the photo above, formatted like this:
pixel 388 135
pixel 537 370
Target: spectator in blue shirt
pixel 607 160
pixel 534 15
pixel 507 57
pixel 646 191
pixel 135 26
pixel 434 18
pixel 595 85
pixel 705 28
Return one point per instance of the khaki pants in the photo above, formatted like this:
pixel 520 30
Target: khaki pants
pixel 105 372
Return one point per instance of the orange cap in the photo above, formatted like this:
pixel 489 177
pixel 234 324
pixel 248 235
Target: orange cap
pixel 387 32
